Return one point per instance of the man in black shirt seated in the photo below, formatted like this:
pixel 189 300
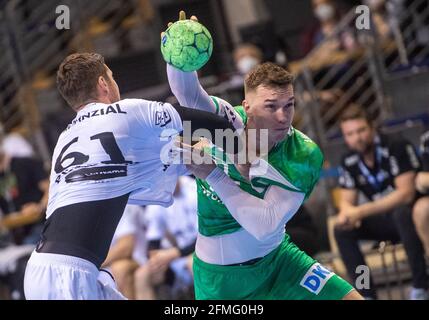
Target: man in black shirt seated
pixel 421 208
pixel 384 170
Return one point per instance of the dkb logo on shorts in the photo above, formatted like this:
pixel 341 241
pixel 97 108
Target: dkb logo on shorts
pixel 316 278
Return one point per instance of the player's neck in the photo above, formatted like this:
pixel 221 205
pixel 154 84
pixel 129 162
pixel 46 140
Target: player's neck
pixel 104 100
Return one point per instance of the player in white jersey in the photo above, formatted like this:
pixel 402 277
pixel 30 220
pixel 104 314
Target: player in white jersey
pixel 172 258
pixel 109 155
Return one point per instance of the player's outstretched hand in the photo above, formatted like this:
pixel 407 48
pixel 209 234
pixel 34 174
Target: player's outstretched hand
pixel 182 16
pixel 197 159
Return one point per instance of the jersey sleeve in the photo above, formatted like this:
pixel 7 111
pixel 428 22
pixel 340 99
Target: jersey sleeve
pixel 188 90
pixel 236 116
pixel 155 119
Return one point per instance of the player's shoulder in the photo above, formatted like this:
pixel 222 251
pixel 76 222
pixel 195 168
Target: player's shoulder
pixel 396 142
pixel 236 115
pixel 302 147
pixel 135 102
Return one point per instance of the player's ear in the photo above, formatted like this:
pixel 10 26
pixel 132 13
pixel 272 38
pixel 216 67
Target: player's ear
pixel 245 105
pixel 102 84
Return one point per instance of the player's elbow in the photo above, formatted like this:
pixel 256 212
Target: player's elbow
pixel 267 224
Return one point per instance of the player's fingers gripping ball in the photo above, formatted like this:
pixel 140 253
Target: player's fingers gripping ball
pixel 187 45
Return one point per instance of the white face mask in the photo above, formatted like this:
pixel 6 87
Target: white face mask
pixel 324 12
pixel 246 64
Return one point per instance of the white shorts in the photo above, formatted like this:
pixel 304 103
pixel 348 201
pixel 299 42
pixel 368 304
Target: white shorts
pixel 59 277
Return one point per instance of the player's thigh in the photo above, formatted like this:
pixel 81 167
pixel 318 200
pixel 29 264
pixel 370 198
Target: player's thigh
pixel 304 278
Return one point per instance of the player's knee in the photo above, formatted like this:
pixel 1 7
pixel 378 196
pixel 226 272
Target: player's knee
pixel 421 212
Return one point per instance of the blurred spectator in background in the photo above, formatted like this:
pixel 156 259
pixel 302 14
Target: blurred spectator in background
pixel 15 145
pixel 170 262
pixel 23 200
pixel 23 196
pixel 383 169
pixel 246 57
pixel 128 250
pixel 421 208
pixel 380 17
pixel 303 232
pixel 328 17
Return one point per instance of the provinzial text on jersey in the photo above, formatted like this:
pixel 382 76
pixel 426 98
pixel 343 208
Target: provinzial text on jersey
pixel 99 112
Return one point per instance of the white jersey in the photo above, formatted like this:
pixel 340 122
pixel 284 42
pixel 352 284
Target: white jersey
pixel 111 150
pixel 180 219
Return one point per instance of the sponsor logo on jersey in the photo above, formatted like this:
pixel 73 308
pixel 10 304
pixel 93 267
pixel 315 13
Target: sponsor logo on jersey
pixel 98 112
pixel 316 278
pixel 162 118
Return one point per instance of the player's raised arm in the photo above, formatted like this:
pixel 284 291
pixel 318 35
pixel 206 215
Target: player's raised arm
pixel 188 90
pixel 186 86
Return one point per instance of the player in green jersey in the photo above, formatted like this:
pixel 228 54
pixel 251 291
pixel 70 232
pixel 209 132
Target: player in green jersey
pixel 242 251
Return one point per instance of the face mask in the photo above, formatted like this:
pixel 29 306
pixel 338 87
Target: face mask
pixel 324 12
pixel 246 64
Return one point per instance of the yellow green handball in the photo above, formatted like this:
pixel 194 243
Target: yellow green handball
pixel 187 45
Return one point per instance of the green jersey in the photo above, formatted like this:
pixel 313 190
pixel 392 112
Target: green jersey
pixel 293 164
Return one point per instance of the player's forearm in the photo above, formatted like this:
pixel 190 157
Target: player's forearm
pixel 260 217
pixel 188 91
pixel 16 220
pixel 387 203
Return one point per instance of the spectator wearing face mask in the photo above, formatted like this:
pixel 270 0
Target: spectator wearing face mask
pixel 328 16
pixel 246 57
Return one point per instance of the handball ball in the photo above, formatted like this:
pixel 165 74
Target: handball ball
pixel 187 45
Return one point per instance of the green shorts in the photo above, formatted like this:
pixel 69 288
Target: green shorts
pixel 287 273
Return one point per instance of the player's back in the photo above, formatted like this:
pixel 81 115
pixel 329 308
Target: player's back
pixel 109 155
pixel 112 150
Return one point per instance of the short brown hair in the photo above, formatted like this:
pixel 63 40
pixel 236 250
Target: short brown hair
pixel 78 75
pixel 269 75
pixel 354 112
